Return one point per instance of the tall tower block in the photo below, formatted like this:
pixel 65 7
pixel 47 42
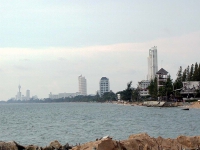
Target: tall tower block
pixel 152 63
pixel 82 85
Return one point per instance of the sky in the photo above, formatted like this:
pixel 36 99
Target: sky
pixel 46 44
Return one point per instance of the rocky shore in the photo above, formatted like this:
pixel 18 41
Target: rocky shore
pixel 172 104
pixel 135 142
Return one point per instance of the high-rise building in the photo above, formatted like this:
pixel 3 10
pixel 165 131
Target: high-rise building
pixel 28 95
pixel 104 86
pixel 82 85
pixel 152 63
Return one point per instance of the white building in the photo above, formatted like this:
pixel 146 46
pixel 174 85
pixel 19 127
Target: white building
pixel 82 85
pixel 143 85
pixel 152 63
pixel 104 86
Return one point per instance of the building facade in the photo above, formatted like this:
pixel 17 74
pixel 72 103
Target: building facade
pixel 162 76
pixel 143 85
pixel 104 86
pixel 152 63
pixel 82 85
pixel 190 90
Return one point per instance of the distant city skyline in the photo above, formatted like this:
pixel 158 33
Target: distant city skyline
pixel 48 44
pixel 20 96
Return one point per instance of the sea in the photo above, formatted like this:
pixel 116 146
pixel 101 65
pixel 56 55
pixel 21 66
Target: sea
pixel 74 123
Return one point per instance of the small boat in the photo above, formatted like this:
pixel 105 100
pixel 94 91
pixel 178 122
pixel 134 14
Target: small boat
pixel 185 109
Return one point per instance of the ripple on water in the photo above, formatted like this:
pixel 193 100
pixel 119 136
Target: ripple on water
pixel 82 122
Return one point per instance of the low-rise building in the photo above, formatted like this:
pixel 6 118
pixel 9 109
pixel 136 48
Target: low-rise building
pixel 143 87
pixel 162 76
pixel 190 90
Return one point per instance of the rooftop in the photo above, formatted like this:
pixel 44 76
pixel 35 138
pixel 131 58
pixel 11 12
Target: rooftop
pixel 104 78
pixel 162 72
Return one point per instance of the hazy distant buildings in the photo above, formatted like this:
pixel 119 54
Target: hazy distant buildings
pixel 152 63
pixel 82 85
pixel 21 97
pixel 27 94
pixel 63 95
pixel 104 85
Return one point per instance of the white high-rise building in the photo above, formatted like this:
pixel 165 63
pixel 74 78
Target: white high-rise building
pixel 104 86
pixel 152 63
pixel 28 95
pixel 82 85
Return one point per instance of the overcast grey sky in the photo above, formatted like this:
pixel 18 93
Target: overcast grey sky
pixel 46 45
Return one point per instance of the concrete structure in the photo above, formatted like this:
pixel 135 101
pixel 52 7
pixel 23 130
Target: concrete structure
pixel 82 85
pixel 143 85
pixel 28 95
pixel 152 63
pixel 104 85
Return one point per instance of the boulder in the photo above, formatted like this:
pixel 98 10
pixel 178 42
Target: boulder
pixel 55 145
pixel 33 147
pixel 11 146
pixel 189 142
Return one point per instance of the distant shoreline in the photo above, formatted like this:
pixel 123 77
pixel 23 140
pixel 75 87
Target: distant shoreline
pixel 188 105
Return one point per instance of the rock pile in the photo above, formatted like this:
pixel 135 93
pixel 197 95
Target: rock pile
pixel 135 142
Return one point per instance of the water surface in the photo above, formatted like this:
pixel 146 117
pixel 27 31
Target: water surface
pixel 82 122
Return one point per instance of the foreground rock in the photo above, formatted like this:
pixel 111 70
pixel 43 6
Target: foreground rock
pixel 135 142
pixel 143 142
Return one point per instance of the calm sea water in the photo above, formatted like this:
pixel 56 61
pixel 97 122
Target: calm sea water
pixel 40 124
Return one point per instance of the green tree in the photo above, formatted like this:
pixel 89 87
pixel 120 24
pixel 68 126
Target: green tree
pixel 178 82
pixel 108 96
pixel 167 88
pixel 188 74
pixel 198 78
pixel 135 94
pixel 127 93
pixel 184 76
pixel 191 73
pixel 195 75
pixel 97 96
pixel 153 89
